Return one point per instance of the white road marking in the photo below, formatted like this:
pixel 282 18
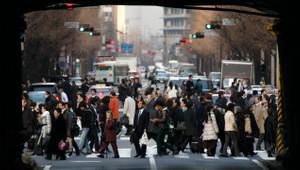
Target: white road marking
pixel 240 158
pixel 182 155
pixel 124 138
pixel 124 152
pixel 93 155
pixel 209 157
pixel 85 161
pixel 151 150
pixel 259 164
pixel 47 167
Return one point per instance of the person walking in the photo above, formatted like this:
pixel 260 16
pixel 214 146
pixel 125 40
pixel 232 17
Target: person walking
pixel 129 111
pixel 189 119
pixel 260 114
pixel 210 132
pixel 86 122
pixel 110 136
pixel 58 133
pixel 114 105
pixel 141 121
pixel 230 131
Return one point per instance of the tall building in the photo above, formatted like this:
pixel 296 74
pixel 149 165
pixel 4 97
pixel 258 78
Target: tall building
pixel 176 26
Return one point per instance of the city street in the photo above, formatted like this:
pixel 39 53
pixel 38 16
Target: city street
pixel 187 160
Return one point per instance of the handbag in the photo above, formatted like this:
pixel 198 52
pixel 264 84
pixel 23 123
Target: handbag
pixel 181 126
pixel 62 145
pixel 144 139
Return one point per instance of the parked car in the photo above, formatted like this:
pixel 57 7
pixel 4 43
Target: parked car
pixel 49 86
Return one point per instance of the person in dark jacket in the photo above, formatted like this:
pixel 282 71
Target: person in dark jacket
pixel 221 100
pixel 110 136
pixel 58 133
pixel 104 107
pixel 178 118
pixel 189 119
pixel 69 117
pixel 141 121
pixel 161 123
pixel 50 102
pixel 86 123
pixel 93 133
pixel 270 133
pixel 28 120
pixel 190 86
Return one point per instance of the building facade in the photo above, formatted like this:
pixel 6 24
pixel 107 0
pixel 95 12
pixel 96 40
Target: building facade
pixel 176 27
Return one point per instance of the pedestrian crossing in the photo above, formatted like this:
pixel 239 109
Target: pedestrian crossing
pixel 130 152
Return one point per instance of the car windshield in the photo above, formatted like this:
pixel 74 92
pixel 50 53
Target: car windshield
pixel 49 88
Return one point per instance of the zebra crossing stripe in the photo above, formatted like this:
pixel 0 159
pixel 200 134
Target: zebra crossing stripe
pixel 182 155
pixel 209 157
pixel 47 167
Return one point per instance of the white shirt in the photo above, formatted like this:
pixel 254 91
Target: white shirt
pixel 64 97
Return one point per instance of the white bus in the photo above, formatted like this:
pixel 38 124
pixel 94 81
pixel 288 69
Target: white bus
pixel 110 70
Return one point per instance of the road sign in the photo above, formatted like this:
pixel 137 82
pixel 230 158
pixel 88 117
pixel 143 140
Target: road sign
pixel 71 24
pixel 228 21
pixel 127 48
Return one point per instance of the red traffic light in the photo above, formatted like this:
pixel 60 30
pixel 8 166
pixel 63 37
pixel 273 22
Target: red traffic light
pixel 69 6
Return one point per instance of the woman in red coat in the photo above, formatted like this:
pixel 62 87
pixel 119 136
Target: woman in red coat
pixel 110 136
pixel 114 105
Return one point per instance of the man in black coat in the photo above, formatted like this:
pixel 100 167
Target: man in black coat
pixel 190 86
pixel 28 120
pixel 141 121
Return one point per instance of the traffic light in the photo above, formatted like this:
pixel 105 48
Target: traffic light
pixel 198 35
pixel 213 25
pixel 69 6
pixel 84 27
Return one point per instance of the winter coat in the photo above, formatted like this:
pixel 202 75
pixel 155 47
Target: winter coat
pixel 230 122
pixel 58 133
pixel 28 122
pixel 114 107
pixel 68 116
pixel 270 126
pixel 86 119
pixel 260 115
pixel 109 131
pixel 45 121
pixel 210 130
pixel 129 109
pixel 189 118
pixel 172 93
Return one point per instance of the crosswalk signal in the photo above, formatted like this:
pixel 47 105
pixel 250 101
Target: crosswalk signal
pixel 198 35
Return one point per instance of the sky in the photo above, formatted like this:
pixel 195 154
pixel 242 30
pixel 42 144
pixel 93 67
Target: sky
pixel 147 19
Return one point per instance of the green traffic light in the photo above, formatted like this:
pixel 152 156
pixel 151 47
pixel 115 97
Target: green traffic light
pixel 208 26
pixel 81 29
pixel 91 33
pixel 194 36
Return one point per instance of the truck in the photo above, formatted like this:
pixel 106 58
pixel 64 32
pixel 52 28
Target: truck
pixel 186 69
pixel 112 71
pixel 130 61
pixel 231 69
